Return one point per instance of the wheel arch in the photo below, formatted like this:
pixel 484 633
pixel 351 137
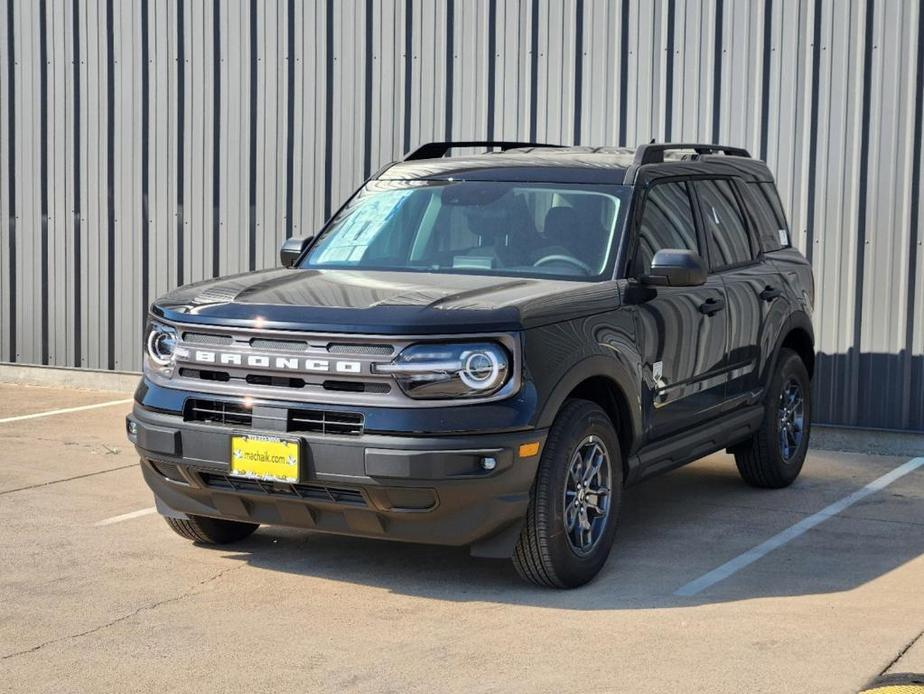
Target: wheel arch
pixel 798 336
pixel 608 383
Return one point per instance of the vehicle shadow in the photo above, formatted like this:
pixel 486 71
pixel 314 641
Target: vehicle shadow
pixel 672 530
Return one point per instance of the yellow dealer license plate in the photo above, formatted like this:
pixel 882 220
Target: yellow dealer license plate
pixel 264 458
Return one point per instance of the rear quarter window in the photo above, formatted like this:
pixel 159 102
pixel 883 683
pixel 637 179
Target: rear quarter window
pixel 766 212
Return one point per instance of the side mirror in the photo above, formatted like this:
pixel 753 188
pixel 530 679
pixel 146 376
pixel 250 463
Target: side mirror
pixel 292 249
pixel 672 267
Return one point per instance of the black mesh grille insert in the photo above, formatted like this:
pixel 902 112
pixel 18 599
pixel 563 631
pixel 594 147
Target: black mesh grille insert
pixel 311 492
pixel 325 422
pixel 356 387
pixel 275 381
pixel 217 412
pixel 207 339
pixel 298 420
pixel 205 374
pixel 291 345
pixel 345 348
pixel 169 470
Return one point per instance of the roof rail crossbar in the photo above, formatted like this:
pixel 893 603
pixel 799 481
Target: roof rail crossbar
pixel 654 153
pixel 435 150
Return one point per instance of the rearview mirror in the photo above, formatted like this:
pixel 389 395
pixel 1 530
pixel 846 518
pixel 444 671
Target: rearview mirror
pixel 673 267
pixel 292 249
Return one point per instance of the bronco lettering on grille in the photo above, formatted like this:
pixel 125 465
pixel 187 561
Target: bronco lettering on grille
pixel 265 361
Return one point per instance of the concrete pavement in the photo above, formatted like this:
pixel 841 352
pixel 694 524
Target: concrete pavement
pixel 129 606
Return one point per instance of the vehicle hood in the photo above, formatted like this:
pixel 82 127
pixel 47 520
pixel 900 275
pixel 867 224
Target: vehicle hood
pixel 383 302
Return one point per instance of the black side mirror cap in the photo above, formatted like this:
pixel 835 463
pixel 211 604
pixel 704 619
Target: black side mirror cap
pixel 292 249
pixel 674 267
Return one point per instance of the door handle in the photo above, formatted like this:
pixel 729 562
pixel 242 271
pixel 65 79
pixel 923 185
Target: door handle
pixel 711 306
pixel 770 293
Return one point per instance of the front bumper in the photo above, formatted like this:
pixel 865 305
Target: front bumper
pixel 419 489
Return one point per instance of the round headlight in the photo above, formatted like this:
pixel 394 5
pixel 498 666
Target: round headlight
pixel 161 345
pixel 449 370
pixel 480 369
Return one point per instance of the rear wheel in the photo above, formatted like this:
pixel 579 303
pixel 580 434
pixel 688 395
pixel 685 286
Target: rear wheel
pixel 210 531
pixel 774 456
pixel 575 500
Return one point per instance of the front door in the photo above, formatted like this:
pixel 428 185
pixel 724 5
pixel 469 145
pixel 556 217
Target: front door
pixel 681 330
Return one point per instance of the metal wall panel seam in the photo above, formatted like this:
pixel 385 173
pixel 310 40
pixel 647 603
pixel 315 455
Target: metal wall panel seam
pixel 914 241
pixel 77 213
pixel 252 163
pixel 5 36
pixel 216 138
pixel 328 106
pixel 45 308
pixel 290 114
pixel 11 217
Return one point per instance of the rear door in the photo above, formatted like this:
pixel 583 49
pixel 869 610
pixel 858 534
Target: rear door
pixel 681 330
pixel 753 286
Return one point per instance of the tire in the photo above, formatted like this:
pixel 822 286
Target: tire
pixel 763 461
pixel 547 553
pixel 210 531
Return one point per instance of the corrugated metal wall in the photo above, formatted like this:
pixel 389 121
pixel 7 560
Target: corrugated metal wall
pixel 145 144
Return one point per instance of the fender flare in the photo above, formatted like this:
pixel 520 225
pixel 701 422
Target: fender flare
pixel 797 320
pixel 614 368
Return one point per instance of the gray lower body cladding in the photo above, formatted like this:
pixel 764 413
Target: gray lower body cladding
pixel 417 489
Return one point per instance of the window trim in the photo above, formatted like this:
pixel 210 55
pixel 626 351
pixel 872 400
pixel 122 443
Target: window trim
pixel 757 251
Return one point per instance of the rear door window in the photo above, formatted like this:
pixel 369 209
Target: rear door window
pixel 724 224
pixel 767 218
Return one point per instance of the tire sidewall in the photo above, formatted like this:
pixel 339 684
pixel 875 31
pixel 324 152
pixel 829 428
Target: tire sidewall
pixel 791 368
pixel 570 567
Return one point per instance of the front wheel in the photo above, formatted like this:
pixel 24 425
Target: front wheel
pixel 575 500
pixel 773 458
pixel 210 531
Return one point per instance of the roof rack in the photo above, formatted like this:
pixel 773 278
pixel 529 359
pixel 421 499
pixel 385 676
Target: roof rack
pixel 435 150
pixel 654 153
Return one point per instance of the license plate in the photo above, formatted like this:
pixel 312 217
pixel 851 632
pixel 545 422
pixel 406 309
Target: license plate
pixel 265 458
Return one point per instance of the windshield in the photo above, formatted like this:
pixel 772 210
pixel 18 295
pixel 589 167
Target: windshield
pixel 511 229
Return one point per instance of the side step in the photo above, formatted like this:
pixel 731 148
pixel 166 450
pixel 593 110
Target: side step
pixel 688 446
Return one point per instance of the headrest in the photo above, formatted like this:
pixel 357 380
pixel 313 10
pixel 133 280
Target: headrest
pixel 561 223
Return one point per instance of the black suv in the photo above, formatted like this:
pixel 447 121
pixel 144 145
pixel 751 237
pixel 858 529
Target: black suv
pixel 487 350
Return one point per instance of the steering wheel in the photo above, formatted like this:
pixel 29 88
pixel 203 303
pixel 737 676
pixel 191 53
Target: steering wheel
pixel 556 258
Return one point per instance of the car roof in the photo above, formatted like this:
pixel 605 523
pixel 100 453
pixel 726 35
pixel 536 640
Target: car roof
pixel 555 164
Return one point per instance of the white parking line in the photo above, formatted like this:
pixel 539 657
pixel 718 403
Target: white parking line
pixel 64 410
pixel 126 516
pixel 791 533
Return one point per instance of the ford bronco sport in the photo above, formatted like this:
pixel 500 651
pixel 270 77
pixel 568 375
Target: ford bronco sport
pixel 487 350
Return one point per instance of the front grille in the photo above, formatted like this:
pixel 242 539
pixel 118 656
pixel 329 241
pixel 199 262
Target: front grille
pixel 325 422
pixel 205 374
pixel 217 412
pixel 356 387
pixel 275 381
pixel 365 349
pixel 289 345
pixel 304 421
pixel 310 492
pixel 207 339
pixel 169 470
